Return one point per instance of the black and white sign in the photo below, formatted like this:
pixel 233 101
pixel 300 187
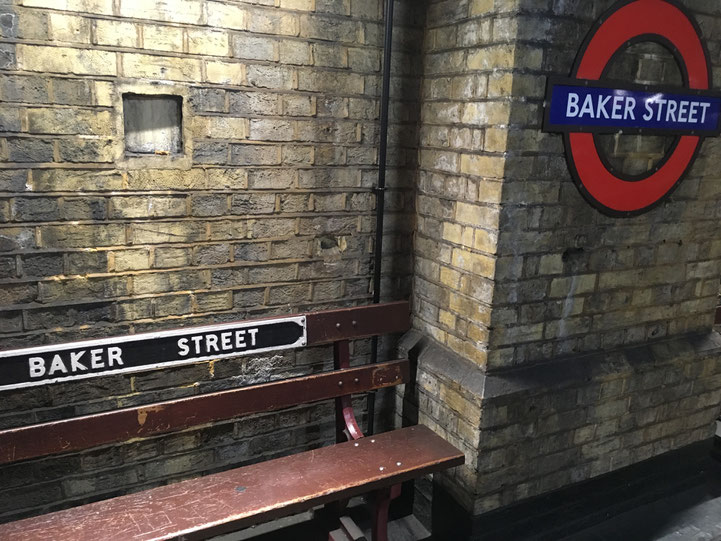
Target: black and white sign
pixel 135 353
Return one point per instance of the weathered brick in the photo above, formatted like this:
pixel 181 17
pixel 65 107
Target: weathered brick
pixel 162 38
pixel 226 15
pixel 104 7
pixel 273 77
pixel 253 204
pixel 251 251
pixel 9 119
pixel 298 106
pixel 173 232
pixel 168 281
pixel 212 254
pixel 86 151
pixel 225 73
pixel 79 288
pixel 157 67
pixel 70 121
pixel 69 28
pixel 209 205
pixel 264 22
pixel 214 302
pixel 51 180
pixel 142 207
pixel 115 33
pixel 27 150
pixel 327 28
pixel 253 47
pixel 294 52
pixel 42 265
pixel 27 89
pixel 219 127
pixel 208 99
pixel 341 83
pixel 36 209
pixel 181 11
pixel 254 155
pixel 81 236
pixel 86 262
pixel 172 257
pixel 125 260
pixel 213 153
pixel 208 43
pixel 65 60
pixel 271 130
pixel 173 305
pixel 11 322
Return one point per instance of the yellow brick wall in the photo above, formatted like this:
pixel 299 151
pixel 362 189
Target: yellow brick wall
pixel 281 110
pixel 466 117
pixel 269 209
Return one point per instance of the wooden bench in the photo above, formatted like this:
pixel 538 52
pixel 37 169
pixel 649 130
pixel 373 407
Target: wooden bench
pixel 237 498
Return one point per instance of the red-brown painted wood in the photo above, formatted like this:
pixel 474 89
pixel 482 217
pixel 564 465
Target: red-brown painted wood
pixel 358 322
pixel 223 502
pixel 379 528
pixel 137 422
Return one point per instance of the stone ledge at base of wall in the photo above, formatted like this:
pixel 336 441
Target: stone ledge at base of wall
pixel 533 430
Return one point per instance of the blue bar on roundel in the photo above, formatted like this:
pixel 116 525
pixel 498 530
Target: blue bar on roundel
pixel 592 107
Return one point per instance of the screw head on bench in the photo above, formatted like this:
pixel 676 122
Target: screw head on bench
pixel 337 325
pixel 354 323
pixel 381 468
pixel 356 380
pixel 340 384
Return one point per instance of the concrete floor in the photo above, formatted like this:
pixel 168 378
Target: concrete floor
pixel 693 514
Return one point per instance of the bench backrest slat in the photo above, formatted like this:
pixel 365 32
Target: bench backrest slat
pixel 357 322
pixel 138 422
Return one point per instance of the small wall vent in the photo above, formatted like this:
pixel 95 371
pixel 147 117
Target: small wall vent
pixel 153 124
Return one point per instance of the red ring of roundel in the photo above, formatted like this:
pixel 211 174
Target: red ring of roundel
pixel 638 18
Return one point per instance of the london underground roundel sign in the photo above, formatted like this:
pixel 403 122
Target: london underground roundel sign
pixel 587 103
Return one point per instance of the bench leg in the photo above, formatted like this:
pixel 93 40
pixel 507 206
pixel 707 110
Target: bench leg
pixel 380 515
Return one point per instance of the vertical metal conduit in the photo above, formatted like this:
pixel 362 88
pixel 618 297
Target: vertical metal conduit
pixel 380 189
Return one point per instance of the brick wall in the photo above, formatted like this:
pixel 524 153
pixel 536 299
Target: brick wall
pixel 554 344
pixel 465 110
pixel 267 210
pixel 570 279
pixel 593 334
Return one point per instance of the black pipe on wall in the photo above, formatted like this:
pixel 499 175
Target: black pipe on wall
pixel 380 189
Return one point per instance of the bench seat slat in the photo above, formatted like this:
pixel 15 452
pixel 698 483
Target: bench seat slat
pixel 173 415
pixel 223 502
